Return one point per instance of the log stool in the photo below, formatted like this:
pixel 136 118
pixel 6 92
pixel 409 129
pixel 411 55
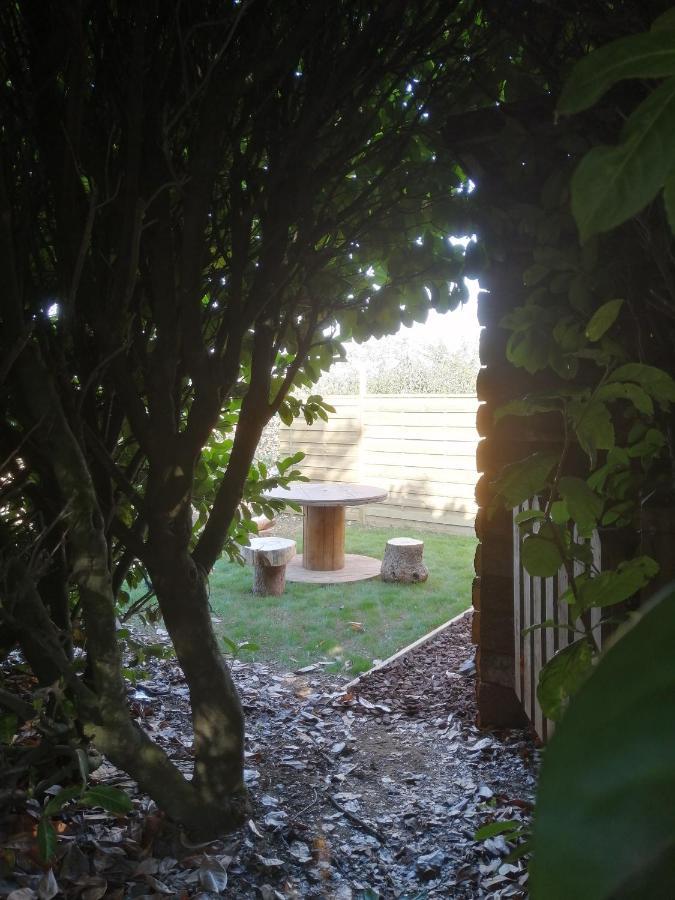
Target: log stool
pixel 268 556
pixel 403 561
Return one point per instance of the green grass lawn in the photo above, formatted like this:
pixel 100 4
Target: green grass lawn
pixel 313 622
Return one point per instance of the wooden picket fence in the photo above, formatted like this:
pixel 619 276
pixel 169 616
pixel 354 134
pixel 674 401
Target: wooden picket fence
pixel 535 601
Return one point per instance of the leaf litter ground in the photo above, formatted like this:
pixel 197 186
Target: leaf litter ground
pixel 364 792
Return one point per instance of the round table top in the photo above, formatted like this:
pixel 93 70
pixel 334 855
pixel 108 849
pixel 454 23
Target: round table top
pixel 328 493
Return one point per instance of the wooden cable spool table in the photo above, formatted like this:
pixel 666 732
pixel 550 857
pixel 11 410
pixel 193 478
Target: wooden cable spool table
pixel 323 560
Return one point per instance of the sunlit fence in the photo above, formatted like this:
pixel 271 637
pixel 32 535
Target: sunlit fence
pixel 536 600
pixel 420 448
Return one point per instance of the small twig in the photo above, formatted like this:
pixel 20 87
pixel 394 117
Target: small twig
pixel 94 372
pixel 309 805
pixel 84 246
pixel 34 564
pixel 23 440
pixel 355 820
pixel 11 356
pixel 21 708
pixel 211 69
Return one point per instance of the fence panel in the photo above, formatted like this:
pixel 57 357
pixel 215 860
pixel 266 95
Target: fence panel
pixel 420 448
pixel 535 600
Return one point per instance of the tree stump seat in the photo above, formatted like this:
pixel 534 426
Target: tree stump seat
pixel 402 561
pixel 269 556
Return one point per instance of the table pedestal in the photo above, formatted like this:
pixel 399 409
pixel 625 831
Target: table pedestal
pixel 323 538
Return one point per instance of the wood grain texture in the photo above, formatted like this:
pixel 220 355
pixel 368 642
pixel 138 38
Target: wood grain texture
pixel 356 568
pixel 323 538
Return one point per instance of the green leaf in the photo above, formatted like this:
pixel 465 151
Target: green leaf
pixel 523 849
pixel 47 839
pixel 560 514
pixel 285 414
pixel 58 801
pixel 605 820
pixel 528 515
pixel 669 200
pixel 627 391
pixel 82 764
pixel 650 445
pixel 534 274
pixel 603 319
pixel 111 799
pixel 540 556
pixel 648 55
pixel 528 350
pixel 592 424
pixel 611 184
pixel 527 407
pixel 8 726
pixel 666 21
pixel 525 478
pixel 492 829
pixel 657 383
pixel 615 586
pixel 584 505
pixel 562 676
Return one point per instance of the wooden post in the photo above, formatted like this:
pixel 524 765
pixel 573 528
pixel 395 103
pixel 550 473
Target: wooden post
pixel 363 391
pixel 323 537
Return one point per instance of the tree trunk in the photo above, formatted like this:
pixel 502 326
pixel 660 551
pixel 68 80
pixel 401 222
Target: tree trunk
pixel 217 716
pixel 214 801
pixel 53 588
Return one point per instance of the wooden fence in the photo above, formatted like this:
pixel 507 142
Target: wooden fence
pixel 535 600
pixel 420 448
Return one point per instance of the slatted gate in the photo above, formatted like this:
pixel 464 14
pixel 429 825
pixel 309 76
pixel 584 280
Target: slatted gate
pixel 535 601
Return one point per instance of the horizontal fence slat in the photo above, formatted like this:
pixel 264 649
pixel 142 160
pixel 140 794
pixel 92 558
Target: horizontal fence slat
pixel 428 420
pixel 418 402
pixel 420 447
pixel 424 516
pixel 459 460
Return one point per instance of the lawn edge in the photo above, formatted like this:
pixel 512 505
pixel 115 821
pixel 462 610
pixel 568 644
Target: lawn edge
pixel 399 653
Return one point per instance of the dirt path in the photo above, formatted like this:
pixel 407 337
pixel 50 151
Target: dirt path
pixel 374 792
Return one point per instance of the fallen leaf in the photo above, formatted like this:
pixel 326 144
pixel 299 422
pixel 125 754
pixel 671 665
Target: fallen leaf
pixel 269 862
pixel 97 888
pixel 47 886
pixel 254 828
pixel 162 888
pixel 212 875
pixel 300 851
pixel 148 866
pixel 75 863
